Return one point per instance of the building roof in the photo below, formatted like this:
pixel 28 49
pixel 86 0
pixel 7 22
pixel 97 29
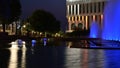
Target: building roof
pixel 83 1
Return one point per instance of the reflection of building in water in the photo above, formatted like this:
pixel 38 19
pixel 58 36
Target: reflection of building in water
pixel 91 58
pixel 80 13
pixel 69 44
pixel 80 44
pixel 84 58
pixel 72 58
pixel 13 58
pixel 17 57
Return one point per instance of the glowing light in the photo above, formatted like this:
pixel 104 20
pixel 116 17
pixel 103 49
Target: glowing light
pixel 33 43
pixel 14 50
pixel 114 60
pixel 24 26
pixel 13 59
pixel 72 18
pixel 18 43
pixel 45 41
pixel 86 22
pixel 93 17
pixel 95 30
pixel 69 44
pixel 111 28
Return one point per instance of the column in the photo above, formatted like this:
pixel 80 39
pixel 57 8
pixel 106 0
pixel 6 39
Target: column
pixel 83 22
pixel 101 7
pixel 68 10
pixel 94 19
pixel 76 20
pixel 86 22
pixel 92 7
pixel 69 28
pixel 81 8
pixel 85 6
pixel 101 20
pixel 89 7
pixel 71 9
pixel 97 8
pixel 10 28
pixel 78 9
pixel 74 9
pixel 69 23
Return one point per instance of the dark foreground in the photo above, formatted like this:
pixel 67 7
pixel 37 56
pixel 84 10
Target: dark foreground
pixel 65 55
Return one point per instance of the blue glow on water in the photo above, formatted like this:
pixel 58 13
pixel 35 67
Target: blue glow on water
pixel 94 30
pixel 33 43
pixel 112 58
pixel 45 41
pixel 111 27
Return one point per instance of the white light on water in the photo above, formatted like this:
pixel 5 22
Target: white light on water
pixel 17 43
pixel 14 54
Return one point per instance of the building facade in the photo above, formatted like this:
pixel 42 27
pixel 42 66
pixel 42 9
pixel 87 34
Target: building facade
pixel 11 28
pixel 81 13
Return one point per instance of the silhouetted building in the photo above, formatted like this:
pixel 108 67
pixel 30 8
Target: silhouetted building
pixel 81 13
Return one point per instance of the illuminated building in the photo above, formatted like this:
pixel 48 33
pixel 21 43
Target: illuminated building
pixel 11 28
pixel 81 13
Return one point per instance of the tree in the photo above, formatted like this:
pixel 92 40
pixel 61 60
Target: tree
pixel 44 21
pixel 15 7
pixel 4 12
pixel 10 10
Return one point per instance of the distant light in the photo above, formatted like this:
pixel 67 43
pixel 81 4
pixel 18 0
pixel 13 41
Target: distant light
pixel 45 41
pixel 24 26
pixel 33 43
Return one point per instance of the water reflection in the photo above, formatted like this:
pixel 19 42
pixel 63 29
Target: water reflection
pixel 59 56
pixel 112 58
pixel 78 44
pixel 93 44
pixel 72 58
pixel 13 58
pixel 4 58
pixel 69 44
pixel 33 43
pixel 84 57
pixel 17 56
pixel 96 58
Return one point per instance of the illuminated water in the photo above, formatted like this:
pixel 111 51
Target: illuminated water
pixel 111 27
pixel 95 30
pixel 59 54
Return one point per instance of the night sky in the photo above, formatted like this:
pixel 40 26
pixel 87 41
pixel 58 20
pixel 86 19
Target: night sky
pixel 56 7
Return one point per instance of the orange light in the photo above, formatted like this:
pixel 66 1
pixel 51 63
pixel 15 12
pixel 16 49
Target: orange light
pixel 93 17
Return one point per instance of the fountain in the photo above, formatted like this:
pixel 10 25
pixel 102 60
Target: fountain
pixel 111 21
pixel 95 30
pixel 111 27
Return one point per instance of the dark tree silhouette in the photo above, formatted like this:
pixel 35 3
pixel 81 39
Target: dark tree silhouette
pixel 10 10
pixel 44 21
pixel 4 12
pixel 15 7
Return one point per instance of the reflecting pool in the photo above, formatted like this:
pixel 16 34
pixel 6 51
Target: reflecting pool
pixel 65 54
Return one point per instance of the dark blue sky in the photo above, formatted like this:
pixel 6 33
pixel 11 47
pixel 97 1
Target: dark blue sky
pixel 56 7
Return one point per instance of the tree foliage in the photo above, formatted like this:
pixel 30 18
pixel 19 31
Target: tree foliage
pixel 44 21
pixel 4 11
pixel 15 7
pixel 10 10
